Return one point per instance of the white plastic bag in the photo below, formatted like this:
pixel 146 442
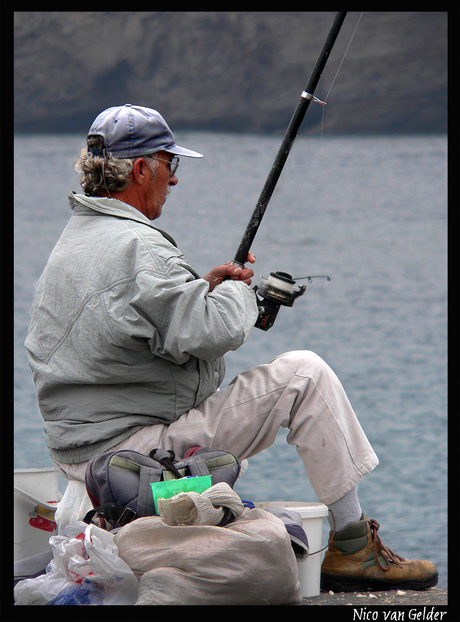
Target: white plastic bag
pixel 85 553
pixel 41 590
pixel 70 558
pixel 73 506
pixel 121 585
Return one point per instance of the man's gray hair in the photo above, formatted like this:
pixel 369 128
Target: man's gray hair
pixel 100 176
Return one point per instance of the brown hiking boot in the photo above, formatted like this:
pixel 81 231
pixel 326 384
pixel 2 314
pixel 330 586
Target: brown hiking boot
pixel 357 559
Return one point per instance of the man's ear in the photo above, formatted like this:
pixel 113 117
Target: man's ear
pixel 139 172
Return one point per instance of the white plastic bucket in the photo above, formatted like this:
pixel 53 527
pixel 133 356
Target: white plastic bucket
pixel 312 522
pixel 32 487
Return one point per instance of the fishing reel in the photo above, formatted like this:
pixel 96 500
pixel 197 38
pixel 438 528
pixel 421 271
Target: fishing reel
pixel 279 289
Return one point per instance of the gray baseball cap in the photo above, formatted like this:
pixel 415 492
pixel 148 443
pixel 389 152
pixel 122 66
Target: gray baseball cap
pixel 130 131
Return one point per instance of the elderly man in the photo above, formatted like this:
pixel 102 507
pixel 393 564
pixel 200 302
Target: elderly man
pixel 126 344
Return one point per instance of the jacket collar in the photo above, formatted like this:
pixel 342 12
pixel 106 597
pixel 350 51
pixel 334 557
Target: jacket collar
pixel 105 205
pixel 112 207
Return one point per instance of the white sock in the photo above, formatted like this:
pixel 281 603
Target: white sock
pixel 345 511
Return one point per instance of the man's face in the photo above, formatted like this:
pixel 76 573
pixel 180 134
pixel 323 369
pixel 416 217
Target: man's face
pixel 158 186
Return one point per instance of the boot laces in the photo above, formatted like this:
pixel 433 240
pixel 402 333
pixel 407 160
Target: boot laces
pixel 384 551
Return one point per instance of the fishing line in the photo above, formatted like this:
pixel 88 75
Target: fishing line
pixel 338 71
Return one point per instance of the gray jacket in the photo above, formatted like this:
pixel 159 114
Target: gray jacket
pixel 123 332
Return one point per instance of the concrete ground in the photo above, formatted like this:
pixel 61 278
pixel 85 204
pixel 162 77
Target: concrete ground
pixel 430 597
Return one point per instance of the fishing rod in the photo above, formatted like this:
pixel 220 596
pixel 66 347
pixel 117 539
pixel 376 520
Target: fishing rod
pixel 286 145
pixel 279 288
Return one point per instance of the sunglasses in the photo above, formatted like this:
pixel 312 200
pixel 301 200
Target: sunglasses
pixel 173 164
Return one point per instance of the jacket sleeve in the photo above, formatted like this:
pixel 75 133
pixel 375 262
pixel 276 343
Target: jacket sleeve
pixel 173 311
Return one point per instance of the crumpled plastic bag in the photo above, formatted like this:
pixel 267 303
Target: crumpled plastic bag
pixel 73 506
pixel 85 554
pixel 86 593
pixel 41 589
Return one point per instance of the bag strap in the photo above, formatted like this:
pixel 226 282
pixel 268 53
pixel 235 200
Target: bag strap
pixel 165 458
pixel 115 514
pixel 196 465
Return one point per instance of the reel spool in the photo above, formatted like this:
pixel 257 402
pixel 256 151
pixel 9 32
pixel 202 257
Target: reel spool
pixel 279 289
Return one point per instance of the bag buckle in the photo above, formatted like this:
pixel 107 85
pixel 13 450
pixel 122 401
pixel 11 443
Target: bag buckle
pixel 115 514
pixel 126 517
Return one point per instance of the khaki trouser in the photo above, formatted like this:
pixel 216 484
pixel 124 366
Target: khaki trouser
pixel 297 390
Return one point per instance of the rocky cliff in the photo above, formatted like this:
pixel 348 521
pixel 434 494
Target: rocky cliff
pixel 231 71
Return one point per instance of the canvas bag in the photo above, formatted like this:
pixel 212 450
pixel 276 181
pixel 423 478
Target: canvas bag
pixel 119 483
pixel 249 561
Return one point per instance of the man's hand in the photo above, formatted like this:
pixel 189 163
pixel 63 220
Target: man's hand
pixel 219 274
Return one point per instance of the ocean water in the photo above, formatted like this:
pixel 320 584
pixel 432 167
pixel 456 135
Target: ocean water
pixel 371 213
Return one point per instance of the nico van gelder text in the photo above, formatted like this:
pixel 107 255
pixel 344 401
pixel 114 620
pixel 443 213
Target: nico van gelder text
pixel 421 613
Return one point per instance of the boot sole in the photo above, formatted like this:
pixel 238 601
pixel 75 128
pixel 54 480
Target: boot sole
pixel 340 583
